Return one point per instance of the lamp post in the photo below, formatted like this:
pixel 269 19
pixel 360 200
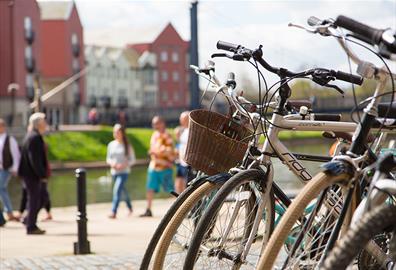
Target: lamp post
pixel 30 66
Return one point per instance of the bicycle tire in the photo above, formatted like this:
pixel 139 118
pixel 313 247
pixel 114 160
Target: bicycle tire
pixel 177 219
pixel 205 223
pixel 149 252
pixel 372 223
pixel 309 192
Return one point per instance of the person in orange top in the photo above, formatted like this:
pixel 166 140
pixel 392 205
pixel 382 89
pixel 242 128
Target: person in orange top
pixel 162 156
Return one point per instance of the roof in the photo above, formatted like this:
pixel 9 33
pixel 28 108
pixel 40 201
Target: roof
pixel 147 59
pixel 140 48
pixel 132 56
pixel 113 53
pixel 56 10
pixel 169 32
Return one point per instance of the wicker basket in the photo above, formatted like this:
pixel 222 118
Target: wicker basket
pixel 214 142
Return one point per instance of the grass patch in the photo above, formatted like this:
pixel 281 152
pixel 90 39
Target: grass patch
pixel 92 145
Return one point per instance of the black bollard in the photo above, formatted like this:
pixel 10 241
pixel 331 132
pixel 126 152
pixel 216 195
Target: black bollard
pixel 82 245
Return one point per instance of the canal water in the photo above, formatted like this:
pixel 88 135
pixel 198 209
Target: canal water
pixel 62 185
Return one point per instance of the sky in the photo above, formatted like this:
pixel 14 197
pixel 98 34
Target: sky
pixel 249 23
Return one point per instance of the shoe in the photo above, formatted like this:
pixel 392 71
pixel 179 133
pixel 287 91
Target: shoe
pixel 112 216
pixel 11 217
pixel 130 212
pixel 147 213
pixel 36 231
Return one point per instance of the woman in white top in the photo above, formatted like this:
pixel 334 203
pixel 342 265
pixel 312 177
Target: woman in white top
pixel 120 156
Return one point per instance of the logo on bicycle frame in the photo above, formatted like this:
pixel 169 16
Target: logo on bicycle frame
pixel 302 172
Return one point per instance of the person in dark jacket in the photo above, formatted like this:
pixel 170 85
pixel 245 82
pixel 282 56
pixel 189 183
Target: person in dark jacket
pixel 34 169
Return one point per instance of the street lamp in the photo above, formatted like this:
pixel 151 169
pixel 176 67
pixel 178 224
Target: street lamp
pixel 11 89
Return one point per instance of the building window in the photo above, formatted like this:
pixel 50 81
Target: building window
pixel 164 96
pixel 164 56
pixel 175 57
pixel 164 75
pixel 175 76
pixel 177 96
pixel 149 76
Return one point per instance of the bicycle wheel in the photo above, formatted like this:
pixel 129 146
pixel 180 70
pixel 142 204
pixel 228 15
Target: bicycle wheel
pixel 314 230
pixel 145 264
pixel 176 237
pixel 379 221
pixel 224 229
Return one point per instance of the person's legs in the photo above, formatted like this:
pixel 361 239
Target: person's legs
pixel 33 189
pixel 167 180
pixel 117 189
pixel 22 207
pixel 181 178
pixel 5 177
pixel 152 186
pixel 125 191
pixel 45 200
pixel 2 219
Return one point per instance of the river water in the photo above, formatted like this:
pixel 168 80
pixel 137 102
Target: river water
pixel 62 185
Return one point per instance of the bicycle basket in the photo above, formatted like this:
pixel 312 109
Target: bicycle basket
pixel 215 142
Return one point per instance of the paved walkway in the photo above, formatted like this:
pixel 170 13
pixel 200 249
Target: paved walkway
pixel 116 244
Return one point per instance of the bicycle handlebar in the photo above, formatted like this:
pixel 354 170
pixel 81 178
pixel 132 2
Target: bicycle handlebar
pixel 371 34
pixel 226 46
pixel 320 76
pixel 347 77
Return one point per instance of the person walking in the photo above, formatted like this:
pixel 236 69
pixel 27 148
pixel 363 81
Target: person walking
pixel 34 169
pixel 9 163
pixel 162 156
pixel 45 202
pixel 182 168
pixel 120 156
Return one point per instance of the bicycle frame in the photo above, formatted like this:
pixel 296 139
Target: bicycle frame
pixel 273 145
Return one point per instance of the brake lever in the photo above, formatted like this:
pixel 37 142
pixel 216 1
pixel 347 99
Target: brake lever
pixel 336 88
pixel 221 55
pixel 319 29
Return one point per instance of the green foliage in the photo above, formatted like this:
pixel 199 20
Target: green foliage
pixel 91 145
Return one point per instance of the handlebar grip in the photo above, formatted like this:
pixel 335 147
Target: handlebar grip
pixel 313 21
pixel 347 77
pixel 222 45
pixel 370 33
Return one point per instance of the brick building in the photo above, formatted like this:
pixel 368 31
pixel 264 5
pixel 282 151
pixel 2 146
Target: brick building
pixel 170 53
pixel 62 55
pixel 19 57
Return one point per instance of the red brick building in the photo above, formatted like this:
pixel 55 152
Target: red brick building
pixel 171 53
pixel 62 56
pixel 20 42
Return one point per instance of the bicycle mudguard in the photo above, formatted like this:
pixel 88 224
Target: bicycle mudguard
pixel 197 180
pixel 338 167
pixel 219 178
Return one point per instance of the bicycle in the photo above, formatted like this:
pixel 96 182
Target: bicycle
pixel 348 127
pixel 257 181
pixel 375 218
pixel 344 171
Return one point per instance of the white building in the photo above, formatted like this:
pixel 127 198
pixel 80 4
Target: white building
pixel 114 78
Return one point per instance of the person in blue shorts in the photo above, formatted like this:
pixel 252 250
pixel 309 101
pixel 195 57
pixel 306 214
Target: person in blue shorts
pixel 162 156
